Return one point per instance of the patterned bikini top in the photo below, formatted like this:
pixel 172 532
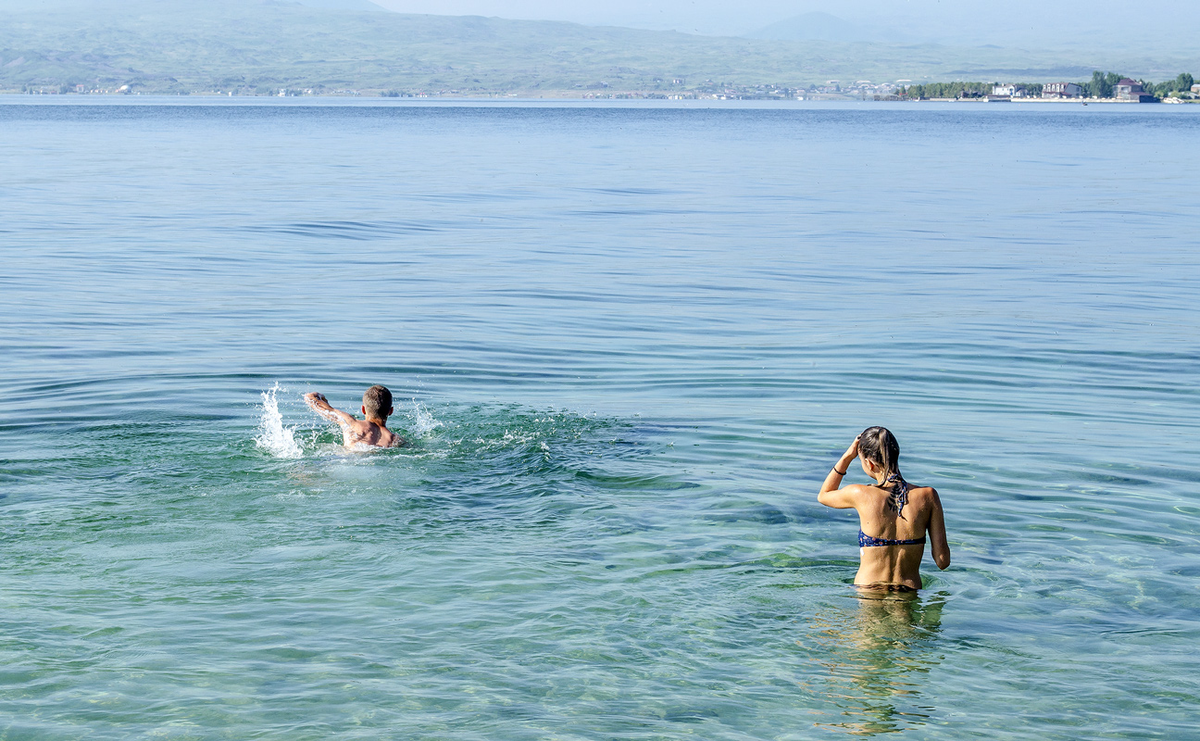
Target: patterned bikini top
pixel 896 501
pixel 868 541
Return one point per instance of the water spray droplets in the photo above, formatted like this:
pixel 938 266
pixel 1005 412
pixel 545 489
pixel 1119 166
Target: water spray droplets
pixel 423 421
pixel 272 436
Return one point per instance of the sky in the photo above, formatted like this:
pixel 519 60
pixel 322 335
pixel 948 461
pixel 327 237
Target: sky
pixel 1005 22
pixel 1147 28
pixel 691 16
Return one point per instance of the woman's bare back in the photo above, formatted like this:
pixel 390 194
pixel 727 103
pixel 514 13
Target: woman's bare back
pixel 894 564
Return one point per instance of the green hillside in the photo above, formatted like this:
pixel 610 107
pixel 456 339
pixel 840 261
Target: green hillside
pixel 261 45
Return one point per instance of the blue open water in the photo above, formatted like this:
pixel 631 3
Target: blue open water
pixel 627 343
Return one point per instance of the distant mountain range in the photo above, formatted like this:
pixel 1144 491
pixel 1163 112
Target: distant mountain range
pixel 359 5
pixel 815 26
pixel 178 46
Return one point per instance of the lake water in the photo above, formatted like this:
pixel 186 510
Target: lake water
pixel 627 343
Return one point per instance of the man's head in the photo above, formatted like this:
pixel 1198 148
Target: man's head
pixel 377 403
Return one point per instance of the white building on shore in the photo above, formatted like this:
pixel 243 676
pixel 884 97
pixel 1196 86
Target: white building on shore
pixel 1062 90
pixel 1010 91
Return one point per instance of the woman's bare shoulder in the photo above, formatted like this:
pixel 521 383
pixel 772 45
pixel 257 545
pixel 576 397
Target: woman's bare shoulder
pixel 923 493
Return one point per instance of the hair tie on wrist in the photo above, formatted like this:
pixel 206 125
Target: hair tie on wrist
pixel 840 473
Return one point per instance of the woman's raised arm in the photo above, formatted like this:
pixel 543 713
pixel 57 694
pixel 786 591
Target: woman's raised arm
pixel 831 495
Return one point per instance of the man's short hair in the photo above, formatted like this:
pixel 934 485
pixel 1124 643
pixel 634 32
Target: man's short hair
pixel 377 402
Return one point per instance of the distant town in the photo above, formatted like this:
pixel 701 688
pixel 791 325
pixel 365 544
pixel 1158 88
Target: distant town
pixel 1103 87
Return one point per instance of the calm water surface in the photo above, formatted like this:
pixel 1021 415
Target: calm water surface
pixel 627 344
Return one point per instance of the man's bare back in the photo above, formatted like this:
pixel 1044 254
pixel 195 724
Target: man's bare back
pixel 373 431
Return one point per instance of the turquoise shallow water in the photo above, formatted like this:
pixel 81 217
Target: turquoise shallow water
pixel 627 343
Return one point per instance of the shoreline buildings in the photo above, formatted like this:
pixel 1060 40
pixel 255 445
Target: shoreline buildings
pixel 1131 91
pixel 1062 90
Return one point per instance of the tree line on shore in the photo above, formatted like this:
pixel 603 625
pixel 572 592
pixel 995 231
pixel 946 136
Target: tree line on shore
pixel 1100 86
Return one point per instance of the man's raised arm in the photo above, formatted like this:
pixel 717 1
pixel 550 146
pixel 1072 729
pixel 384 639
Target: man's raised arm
pixel 321 406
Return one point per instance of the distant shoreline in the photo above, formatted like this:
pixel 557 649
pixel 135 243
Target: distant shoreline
pixel 564 95
pixel 545 99
pixel 1039 101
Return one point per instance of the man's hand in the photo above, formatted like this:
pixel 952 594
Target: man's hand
pixel 321 406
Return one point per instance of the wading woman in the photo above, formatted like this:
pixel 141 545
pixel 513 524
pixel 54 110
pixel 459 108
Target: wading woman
pixel 894 516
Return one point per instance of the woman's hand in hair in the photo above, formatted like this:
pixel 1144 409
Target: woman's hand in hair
pixel 849 456
pixel 831 494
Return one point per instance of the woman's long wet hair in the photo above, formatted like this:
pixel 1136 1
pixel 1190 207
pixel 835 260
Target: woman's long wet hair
pixel 878 445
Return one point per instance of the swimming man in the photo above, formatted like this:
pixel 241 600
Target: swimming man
pixel 376 407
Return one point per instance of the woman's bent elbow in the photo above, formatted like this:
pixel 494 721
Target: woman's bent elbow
pixel 943 562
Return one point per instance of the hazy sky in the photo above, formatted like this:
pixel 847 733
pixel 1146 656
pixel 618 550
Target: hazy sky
pixel 1149 28
pixel 733 18
pixel 703 16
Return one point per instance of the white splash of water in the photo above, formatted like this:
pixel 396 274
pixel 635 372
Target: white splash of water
pixel 423 422
pixel 273 437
